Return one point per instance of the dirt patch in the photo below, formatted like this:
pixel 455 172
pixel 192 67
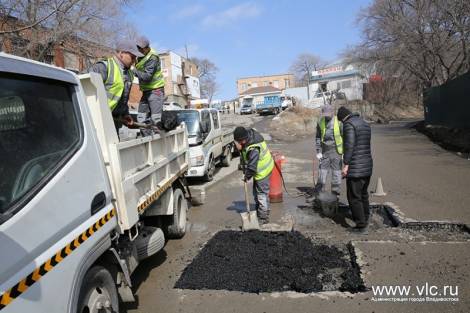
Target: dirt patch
pixel 294 124
pixel 258 261
pixel 453 139
pixel 381 113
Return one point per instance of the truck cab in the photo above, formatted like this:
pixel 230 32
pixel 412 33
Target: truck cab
pixel 247 106
pixel 209 143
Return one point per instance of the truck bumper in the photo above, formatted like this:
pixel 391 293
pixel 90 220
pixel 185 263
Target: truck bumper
pixel 196 171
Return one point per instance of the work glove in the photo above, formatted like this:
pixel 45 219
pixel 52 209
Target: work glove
pixel 127 120
pixel 319 156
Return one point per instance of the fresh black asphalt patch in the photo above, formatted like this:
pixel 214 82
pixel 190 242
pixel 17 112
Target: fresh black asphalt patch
pixel 257 261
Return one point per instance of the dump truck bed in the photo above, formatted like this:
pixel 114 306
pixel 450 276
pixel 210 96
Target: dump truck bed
pixel 140 170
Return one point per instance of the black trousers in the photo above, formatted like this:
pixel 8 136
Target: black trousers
pixel 358 198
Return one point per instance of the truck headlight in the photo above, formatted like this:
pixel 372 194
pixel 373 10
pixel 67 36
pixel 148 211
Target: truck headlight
pixel 197 161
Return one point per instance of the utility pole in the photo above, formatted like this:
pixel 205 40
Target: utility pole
pixel 186 48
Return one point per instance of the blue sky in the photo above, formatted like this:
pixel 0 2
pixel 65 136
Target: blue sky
pixel 248 38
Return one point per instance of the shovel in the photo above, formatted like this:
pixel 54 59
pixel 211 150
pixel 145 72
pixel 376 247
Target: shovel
pixel 249 218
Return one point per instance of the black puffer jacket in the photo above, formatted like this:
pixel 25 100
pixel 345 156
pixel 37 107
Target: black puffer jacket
pixel 357 152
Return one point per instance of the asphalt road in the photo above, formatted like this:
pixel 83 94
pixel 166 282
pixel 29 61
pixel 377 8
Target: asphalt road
pixel 427 183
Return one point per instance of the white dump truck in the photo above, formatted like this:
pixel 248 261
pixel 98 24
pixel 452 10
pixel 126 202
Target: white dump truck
pixel 209 142
pixel 79 209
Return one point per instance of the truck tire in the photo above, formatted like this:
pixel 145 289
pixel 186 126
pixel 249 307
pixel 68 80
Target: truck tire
pixel 98 292
pixel 209 176
pixel 227 160
pixel 176 228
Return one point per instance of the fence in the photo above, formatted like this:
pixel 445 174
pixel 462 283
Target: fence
pixel 449 104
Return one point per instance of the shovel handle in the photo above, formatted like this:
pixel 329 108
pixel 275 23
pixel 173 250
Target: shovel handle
pixel 247 201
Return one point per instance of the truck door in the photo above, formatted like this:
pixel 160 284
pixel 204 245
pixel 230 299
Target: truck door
pixel 217 141
pixel 52 188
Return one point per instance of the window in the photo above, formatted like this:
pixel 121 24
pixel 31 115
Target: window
pixel 39 130
pixel 265 83
pixel 346 84
pixel 71 61
pixel 215 119
pixel 162 63
pixel 243 86
pixel 254 85
pixel 276 83
pixel 206 121
pixel 287 83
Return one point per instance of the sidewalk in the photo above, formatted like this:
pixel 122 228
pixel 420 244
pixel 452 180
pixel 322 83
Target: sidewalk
pixel 426 181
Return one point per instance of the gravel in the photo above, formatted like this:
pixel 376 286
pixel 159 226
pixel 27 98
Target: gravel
pixel 259 261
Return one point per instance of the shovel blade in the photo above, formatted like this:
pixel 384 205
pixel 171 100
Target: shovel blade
pixel 249 221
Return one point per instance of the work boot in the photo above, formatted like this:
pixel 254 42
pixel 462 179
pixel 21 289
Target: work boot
pixel 263 221
pixel 359 230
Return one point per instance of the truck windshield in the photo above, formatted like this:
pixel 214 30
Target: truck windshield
pixel 38 129
pixel 191 119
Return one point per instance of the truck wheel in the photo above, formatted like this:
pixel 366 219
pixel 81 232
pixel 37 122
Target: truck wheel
pixel 98 292
pixel 177 227
pixel 228 158
pixel 210 171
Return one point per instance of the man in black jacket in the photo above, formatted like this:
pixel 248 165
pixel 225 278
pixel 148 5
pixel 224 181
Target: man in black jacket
pixel 259 164
pixel 357 166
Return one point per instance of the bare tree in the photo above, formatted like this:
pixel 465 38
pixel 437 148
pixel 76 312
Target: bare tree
pixel 302 68
pixel 425 40
pixel 33 28
pixel 207 77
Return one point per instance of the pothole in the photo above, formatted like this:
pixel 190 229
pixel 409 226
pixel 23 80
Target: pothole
pixel 258 262
pixel 388 215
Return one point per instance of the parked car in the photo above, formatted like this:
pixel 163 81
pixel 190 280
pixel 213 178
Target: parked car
pixel 247 108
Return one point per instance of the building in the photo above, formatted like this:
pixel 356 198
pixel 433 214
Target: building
pixel 181 81
pixel 340 77
pixel 232 105
pixel 255 96
pixel 73 53
pixel 281 81
pixel 78 55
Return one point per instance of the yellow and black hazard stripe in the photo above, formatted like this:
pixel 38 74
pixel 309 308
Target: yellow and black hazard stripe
pixel 14 292
pixel 144 205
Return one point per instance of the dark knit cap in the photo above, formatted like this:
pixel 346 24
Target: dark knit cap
pixel 342 113
pixel 240 133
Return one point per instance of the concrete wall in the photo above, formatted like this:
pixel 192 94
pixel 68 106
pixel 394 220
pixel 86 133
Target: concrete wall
pixel 299 92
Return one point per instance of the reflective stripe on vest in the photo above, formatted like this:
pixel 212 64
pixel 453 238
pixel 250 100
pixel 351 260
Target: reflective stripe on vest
pixel 157 80
pixel 114 83
pixel 336 132
pixel 265 162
